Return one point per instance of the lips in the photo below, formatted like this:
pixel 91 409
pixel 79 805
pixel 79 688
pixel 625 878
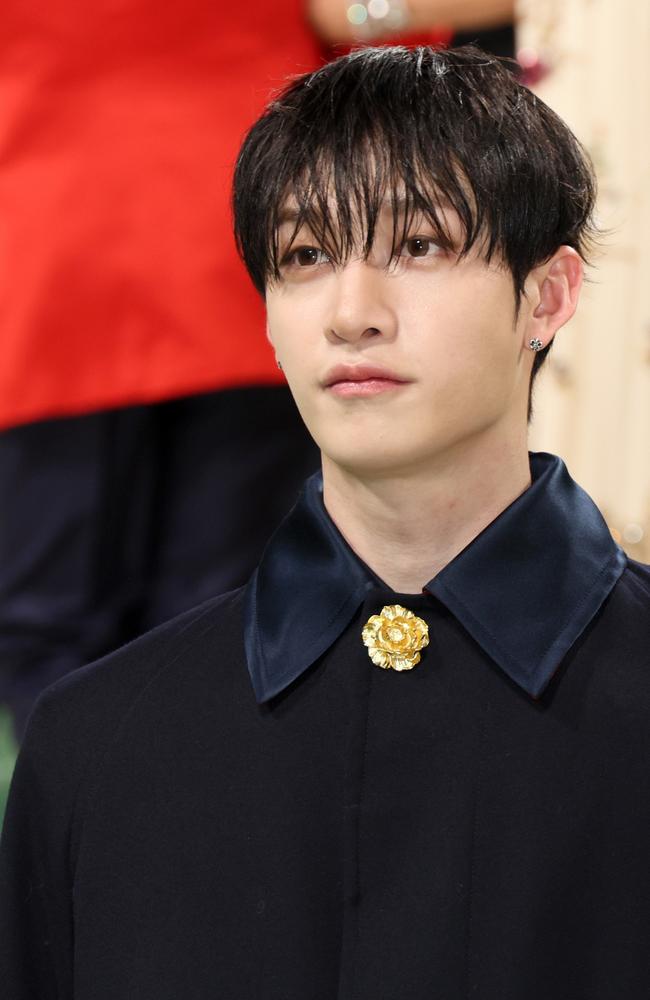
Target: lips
pixel 360 373
pixel 363 381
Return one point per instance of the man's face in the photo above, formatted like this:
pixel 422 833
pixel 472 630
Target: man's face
pixel 444 328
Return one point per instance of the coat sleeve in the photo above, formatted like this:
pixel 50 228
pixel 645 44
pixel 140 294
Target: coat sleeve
pixel 35 887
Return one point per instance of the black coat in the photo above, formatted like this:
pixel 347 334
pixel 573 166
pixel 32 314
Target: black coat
pixel 363 834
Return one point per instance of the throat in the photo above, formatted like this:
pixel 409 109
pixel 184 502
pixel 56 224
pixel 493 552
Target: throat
pixel 407 533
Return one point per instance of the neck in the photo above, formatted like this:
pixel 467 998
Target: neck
pixel 406 527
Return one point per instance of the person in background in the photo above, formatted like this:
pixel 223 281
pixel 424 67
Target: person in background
pixel 149 443
pixel 344 23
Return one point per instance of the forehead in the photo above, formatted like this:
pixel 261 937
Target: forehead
pixel 369 180
pixel 347 210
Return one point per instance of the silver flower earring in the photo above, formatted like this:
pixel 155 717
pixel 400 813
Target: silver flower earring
pixel 535 344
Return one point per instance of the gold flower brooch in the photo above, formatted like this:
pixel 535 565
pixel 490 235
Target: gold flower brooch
pixel 395 637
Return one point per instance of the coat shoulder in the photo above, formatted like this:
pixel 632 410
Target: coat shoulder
pixel 629 620
pixel 618 648
pixel 109 686
pixel 76 720
pixel 635 583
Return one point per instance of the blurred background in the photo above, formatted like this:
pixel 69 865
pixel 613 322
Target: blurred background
pixel 587 61
pixel 148 443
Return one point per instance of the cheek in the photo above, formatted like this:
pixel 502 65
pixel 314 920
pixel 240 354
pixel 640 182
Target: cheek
pixel 292 319
pixel 283 332
pixel 468 349
pixel 289 329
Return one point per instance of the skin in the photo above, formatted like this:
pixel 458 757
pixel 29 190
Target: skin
pixel 413 474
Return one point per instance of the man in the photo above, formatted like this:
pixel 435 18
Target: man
pixel 409 759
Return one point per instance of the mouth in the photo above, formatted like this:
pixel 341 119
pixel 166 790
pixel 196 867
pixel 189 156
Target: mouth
pixel 362 380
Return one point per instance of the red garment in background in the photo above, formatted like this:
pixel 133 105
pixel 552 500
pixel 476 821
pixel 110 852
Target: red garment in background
pixel 120 121
pixel 119 124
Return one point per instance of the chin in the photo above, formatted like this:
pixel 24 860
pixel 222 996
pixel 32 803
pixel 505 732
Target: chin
pixel 402 453
pixel 367 459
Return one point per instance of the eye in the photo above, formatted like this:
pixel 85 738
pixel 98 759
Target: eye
pixel 306 257
pixel 419 246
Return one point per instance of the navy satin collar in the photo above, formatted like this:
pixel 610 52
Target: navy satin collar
pixel 525 588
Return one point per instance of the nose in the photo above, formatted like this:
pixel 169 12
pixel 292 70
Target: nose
pixel 360 306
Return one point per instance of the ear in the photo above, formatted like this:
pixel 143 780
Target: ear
pixel 553 289
pixel 270 340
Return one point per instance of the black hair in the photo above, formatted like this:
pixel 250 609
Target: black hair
pixel 420 127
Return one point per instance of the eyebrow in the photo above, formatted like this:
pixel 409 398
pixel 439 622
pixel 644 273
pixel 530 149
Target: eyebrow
pixel 290 214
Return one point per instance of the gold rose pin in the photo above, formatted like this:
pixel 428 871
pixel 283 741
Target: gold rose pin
pixel 395 637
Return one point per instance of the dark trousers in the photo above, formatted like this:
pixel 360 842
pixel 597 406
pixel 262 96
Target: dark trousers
pixel 114 522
